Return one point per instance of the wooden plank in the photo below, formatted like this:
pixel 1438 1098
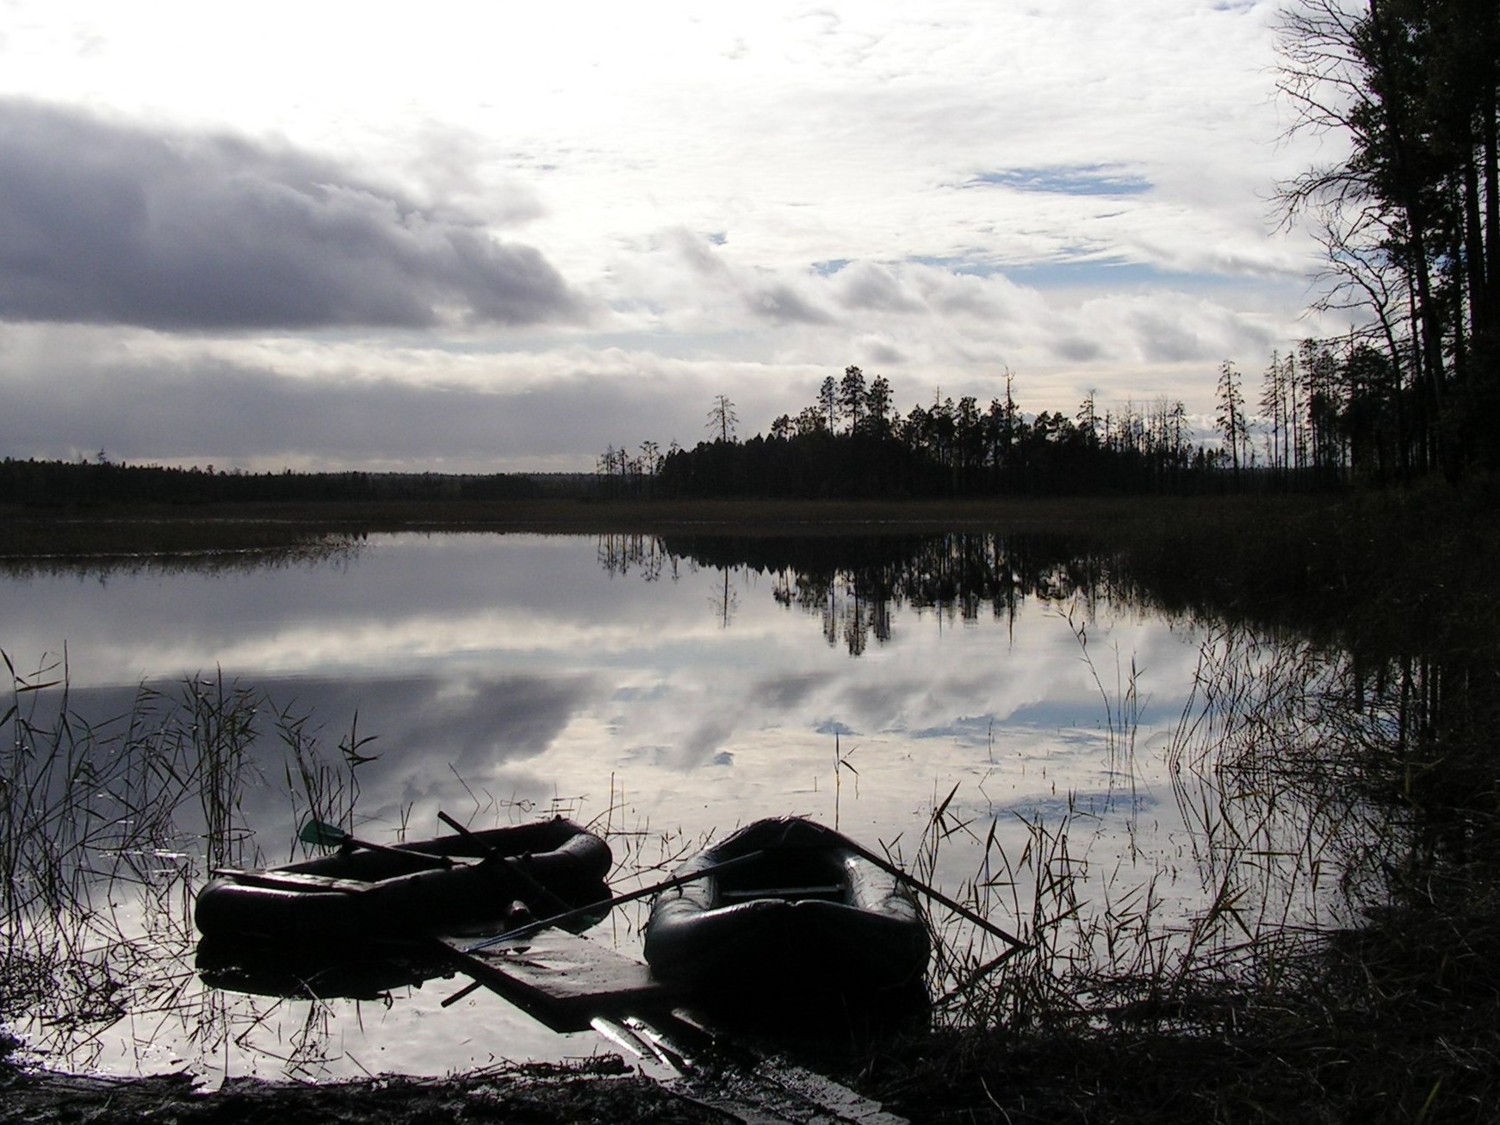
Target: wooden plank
pixel 561 979
pixel 573 984
pixel 738 1079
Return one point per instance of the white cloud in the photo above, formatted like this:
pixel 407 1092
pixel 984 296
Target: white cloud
pixel 1077 192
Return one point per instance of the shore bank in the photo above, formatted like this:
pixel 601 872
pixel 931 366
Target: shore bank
pixel 156 529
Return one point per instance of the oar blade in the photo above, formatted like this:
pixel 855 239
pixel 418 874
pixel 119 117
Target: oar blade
pixel 322 833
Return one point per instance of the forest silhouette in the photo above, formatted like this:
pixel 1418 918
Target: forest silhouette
pixel 1329 413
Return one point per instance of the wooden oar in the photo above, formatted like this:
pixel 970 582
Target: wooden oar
pixel 467 833
pixel 609 904
pixel 910 880
pixel 978 975
pixel 677 881
pixel 516 868
pixel 937 895
pixel 327 835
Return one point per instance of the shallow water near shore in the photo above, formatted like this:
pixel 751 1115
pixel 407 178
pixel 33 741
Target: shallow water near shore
pixel 663 691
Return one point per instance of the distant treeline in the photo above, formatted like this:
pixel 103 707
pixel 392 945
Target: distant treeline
pixel 1326 415
pixel 84 484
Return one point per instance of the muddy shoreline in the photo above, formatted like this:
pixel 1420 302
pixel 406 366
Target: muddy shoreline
pixel 602 1090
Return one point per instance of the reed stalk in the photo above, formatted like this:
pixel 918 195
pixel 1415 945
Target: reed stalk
pixel 1341 822
pixel 107 827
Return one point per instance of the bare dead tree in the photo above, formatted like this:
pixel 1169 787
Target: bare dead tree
pixel 721 417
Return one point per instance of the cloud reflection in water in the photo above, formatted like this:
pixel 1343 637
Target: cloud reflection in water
pixel 501 676
pixel 522 667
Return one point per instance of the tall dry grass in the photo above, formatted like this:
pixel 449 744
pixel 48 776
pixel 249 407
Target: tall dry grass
pixel 107 828
pixel 1343 963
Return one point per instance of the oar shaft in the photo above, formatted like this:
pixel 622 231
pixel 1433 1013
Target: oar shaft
pixel 511 864
pixel 938 896
pixel 610 903
pixel 465 831
pixel 332 836
pixel 678 880
pixel 392 849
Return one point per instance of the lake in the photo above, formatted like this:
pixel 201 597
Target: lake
pixel 663 690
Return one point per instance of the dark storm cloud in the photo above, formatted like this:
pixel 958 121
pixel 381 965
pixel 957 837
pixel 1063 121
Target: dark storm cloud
pixel 1164 340
pixel 111 224
pixel 781 305
pixel 226 413
pixel 869 288
pixel 1078 348
pixel 876 352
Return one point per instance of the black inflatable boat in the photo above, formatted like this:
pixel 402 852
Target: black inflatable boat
pixel 372 892
pixel 801 909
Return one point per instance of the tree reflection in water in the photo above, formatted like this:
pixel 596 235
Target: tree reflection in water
pixel 1319 781
pixel 1336 783
pixel 853 583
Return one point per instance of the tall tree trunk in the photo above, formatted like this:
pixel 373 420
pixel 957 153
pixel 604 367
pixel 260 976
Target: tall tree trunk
pixel 1474 255
pixel 1491 201
pixel 1428 316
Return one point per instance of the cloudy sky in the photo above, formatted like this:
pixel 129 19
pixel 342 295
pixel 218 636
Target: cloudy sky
pixel 504 236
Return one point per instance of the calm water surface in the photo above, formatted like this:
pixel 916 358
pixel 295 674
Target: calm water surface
pixel 665 693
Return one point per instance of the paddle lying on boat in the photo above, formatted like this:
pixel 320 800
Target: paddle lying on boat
pixel 603 907
pixel 324 835
pixel 392 891
pixel 544 895
pixel 937 896
pixel 695 871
